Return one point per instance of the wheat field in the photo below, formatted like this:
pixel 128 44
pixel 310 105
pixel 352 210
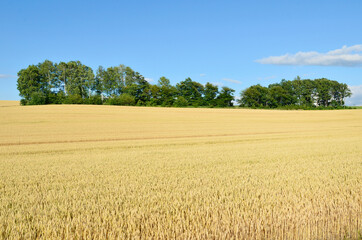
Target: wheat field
pixel 108 172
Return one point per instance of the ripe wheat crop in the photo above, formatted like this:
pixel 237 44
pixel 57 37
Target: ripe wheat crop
pixel 107 172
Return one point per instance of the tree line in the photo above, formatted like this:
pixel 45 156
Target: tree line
pixel 76 83
pixel 297 94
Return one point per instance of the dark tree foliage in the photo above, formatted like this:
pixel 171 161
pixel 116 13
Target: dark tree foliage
pixel 75 83
pixel 210 93
pixel 31 81
pixel 191 91
pixel 299 94
pixel 225 98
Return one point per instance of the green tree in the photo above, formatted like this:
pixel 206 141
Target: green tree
pixel 80 80
pixel 297 94
pixel 323 92
pixel 99 82
pixel 181 102
pixel 62 77
pixel 308 93
pixel 290 89
pixel 191 91
pixel 254 96
pixel 155 92
pixel 124 99
pixel 210 93
pixel 30 81
pixel 142 90
pixel 167 92
pixel 345 92
pixel 277 96
pixel 111 80
pixel 47 71
pixel 225 98
pixel 37 98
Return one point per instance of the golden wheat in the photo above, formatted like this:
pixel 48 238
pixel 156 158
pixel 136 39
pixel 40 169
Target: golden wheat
pixel 107 172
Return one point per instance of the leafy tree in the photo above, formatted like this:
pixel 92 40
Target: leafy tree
pixel 299 93
pixel 47 71
pixel 323 91
pixel 99 82
pixel 94 99
pixel 225 98
pixel 30 81
pixel 181 102
pixel 74 78
pixel 290 89
pixel 155 92
pixel 167 92
pixel 111 80
pixel 124 99
pixel 37 98
pixel 344 93
pixel 75 83
pixel 254 96
pixel 308 92
pixel 143 93
pixel 210 93
pixel 73 99
pixel 191 91
pixel 137 86
pixel 80 79
pixel 277 96
pixel 62 77
pixel 127 100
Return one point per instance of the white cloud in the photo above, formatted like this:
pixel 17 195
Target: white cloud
pixel 202 74
pixel 231 80
pixel 150 80
pixel 345 56
pixel 356 99
pixel 6 76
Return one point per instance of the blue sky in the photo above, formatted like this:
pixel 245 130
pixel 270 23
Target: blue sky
pixel 232 43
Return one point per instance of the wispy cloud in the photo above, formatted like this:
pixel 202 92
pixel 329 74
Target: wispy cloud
pixel 345 56
pixel 231 80
pixel 202 74
pixel 356 99
pixel 6 76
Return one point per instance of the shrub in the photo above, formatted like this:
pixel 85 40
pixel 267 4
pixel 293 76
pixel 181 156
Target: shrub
pixel 127 99
pixel 124 99
pixel 56 98
pixel 96 100
pixel 140 103
pixel 73 99
pixel 37 98
pixel 152 102
pixel 181 102
pixel 23 102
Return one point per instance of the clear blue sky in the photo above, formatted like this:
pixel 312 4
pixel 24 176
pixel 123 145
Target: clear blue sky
pixel 209 41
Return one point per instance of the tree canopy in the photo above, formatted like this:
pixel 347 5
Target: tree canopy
pixel 298 93
pixel 75 83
